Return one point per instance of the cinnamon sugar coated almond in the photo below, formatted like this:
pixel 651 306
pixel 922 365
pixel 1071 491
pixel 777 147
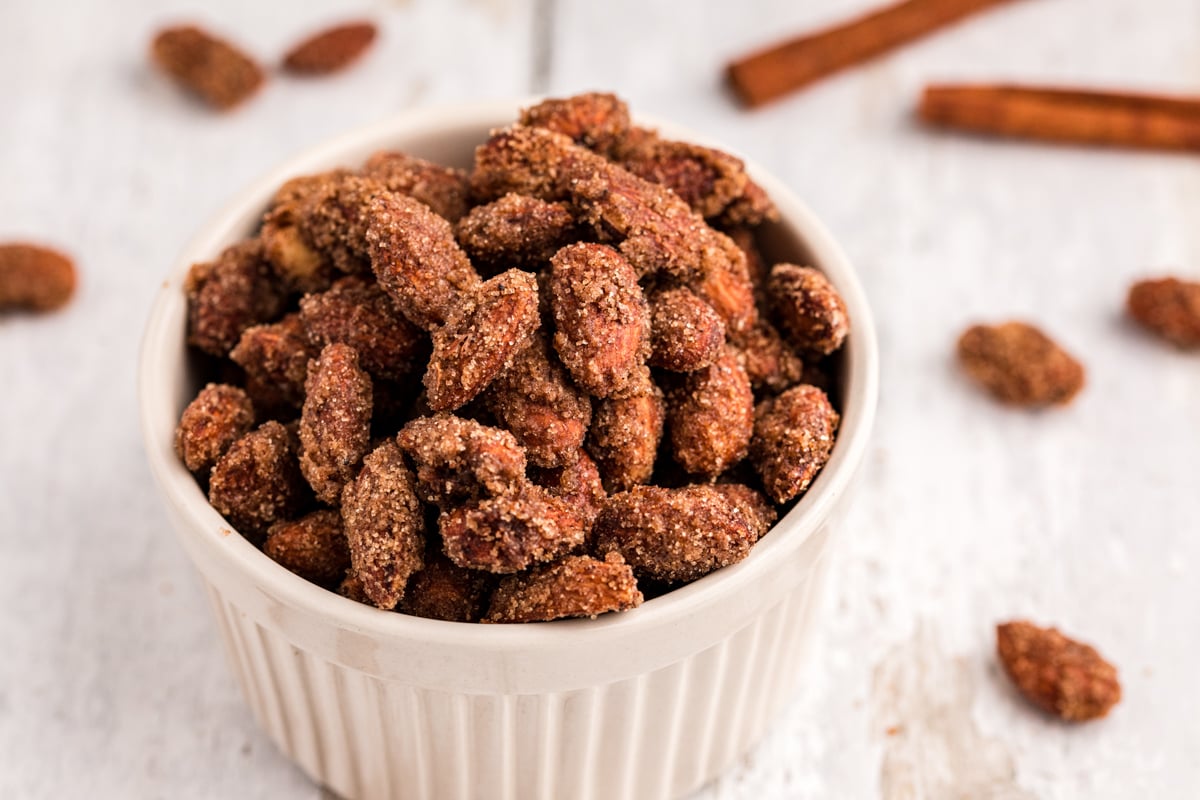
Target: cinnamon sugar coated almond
pixel 1020 365
pixel 1057 674
pixel 209 67
pixel 330 50
pixel 34 278
pixel 537 389
pixel 1169 308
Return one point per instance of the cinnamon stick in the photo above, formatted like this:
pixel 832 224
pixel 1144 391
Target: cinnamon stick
pixel 1106 118
pixel 775 71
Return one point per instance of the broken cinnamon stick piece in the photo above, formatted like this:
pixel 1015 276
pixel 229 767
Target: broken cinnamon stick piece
pixel 1113 119
pixel 776 71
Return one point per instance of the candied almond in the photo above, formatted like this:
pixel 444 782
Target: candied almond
pixel 674 535
pixel 228 295
pixel 536 400
pixel 793 437
pixel 706 179
pixel 460 459
pixel 515 231
pixel 578 483
pixel 297 263
pixel 511 532
pixel 769 361
pixel 1169 308
pixel 595 120
pixel 1059 675
pixel 685 333
pixel 444 189
pixel 416 259
pixel 257 481
pixel 355 311
pixel 752 207
pixel 211 68
pixel 811 312
pixel 35 278
pixel 710 416
pixel 385 527
pixel 483 334
pixel 576 586
pixel 603 321
pixel 626 431
pixel 1020 365
pixel 335 423
pixel 334 221
pixel 217 417
pixel 753 504
pixel 726 287
pixel 313 546
pixel 275 359
pixel 330 50
pixel 443 590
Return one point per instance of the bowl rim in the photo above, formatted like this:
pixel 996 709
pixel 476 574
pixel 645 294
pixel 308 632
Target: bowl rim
pixel 162 347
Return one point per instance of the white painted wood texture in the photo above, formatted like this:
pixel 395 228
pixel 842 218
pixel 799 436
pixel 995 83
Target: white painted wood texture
pixel 111 681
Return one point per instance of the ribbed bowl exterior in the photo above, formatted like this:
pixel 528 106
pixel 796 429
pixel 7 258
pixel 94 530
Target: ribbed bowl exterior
pixel 659 734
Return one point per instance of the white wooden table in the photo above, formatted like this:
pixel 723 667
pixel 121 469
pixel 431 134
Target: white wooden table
pixel 111 680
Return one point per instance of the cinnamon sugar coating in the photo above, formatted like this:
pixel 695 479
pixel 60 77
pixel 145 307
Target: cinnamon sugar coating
pixel 793 437
pixel 602 319
pixel 810 310
pixel 258 481
pixel 443 590
pixel 1059 675
pixel 275 359
pixel 626 431
pixel 656 231
pixel 313 546
pixel 770 362
pixel 334 220
pixel 297 263
pixel 523 161
pixel 483 334
pixel 753 504
pixel 511 532
pixel 385 527
pixel 1169 308
pixel 228 295
pixel 356 312
pixel 536 401
pixel 595 120
pixel 217 417
pixel 211 68
pixel 34 277
pixel 515 231
pixel 416 259
pixel 673 535
pixel 710 415
pixel 444 189
pixel 335 423
pixel 728 290
pixel 756 265
pixel 752 207
pixel 1020 365
pixel 460 459
pixel 685 333
pixel 578 483
pixel 706 179
pixel 576 586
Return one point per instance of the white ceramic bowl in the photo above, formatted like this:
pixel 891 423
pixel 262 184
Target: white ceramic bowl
pixel 650 703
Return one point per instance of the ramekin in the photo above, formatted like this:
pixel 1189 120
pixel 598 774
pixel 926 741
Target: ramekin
pixel 648 703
